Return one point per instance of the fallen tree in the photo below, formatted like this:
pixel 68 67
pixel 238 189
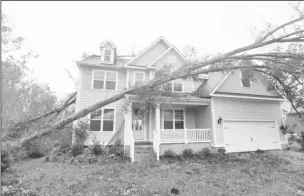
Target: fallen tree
pixel 222 62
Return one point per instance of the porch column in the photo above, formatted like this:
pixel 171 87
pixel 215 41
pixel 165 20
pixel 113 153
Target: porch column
pixel 128 125
pixel 157 118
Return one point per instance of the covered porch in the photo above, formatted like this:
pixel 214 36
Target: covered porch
pixel 181 121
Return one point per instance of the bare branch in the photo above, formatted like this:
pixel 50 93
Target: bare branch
pixel 280 27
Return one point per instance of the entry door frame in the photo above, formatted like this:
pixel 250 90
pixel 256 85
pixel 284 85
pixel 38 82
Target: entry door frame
pixel 144 127
pixel 249 120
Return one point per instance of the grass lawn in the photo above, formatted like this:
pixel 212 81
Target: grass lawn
pixel 242 174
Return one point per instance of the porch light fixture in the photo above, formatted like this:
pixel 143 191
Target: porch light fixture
pixel 219 121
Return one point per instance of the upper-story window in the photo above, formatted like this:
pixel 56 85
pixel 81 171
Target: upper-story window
pixel 175 86
pixel 139 77
pixel 105 80
pixel 171 59
pixel 245 78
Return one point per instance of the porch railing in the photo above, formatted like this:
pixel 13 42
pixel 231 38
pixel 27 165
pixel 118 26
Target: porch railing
pixel 184 135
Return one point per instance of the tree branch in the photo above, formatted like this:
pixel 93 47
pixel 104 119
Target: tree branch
pixel 280 27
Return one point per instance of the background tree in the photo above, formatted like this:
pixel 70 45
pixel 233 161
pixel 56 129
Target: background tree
pixel 23 96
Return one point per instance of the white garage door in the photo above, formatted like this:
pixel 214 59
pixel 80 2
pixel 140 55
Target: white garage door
pixel 241 136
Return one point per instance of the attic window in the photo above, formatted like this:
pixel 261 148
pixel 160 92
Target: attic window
pixel 245 78
pixel 107 55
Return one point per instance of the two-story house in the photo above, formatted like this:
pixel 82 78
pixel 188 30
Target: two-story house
pixel 219 110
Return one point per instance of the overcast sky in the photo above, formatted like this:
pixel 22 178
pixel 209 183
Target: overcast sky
pixel 61 31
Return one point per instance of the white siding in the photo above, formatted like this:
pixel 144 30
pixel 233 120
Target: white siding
pixel 151 54
pixel 233 85
pixel 88 96
pixel 242 109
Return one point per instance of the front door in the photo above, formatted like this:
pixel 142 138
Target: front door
pixel 138 125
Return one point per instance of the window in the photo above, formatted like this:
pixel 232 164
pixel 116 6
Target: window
pixel 173 119
pixel 139 77
pixel 95 121
pixel 245 78
pixel 107 55
pixel 171 59
pixel 102 120
pixel 104 80
pixel 175 86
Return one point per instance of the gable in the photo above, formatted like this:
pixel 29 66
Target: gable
pixel 164 59
pixel 233 84
pixel 151 54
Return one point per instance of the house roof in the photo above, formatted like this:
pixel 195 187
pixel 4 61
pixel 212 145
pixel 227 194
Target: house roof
pixel 108 41
pixel 216 79
pixel 94 60
pixel 126 61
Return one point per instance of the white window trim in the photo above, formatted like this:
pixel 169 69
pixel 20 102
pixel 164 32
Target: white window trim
pixel 134 74
pixel 104 84
pixel 241 76
pixel 101 123
pixel 163 118
pixel 173 86
pixel 103 52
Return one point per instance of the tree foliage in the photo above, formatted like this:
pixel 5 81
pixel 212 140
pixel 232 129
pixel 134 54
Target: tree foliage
pixel 23 96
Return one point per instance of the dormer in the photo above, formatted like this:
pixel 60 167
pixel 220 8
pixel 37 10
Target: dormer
pixel 108 52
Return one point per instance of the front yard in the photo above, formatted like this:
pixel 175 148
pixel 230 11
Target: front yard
pixel 242 174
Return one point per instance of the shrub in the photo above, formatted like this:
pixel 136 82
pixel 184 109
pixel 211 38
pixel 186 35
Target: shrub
pixel 117 148
pixel 97 148
pixel 80 132
pixel 77 150
pixel 16 189
pixel 188 152
pixel 203 153
pixel 301 140
pixel 5 162
pixel 169 154
pixel 221 151
pixel 33 149
pixel 258 151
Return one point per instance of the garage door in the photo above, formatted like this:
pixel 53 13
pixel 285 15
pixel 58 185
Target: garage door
pixel 241 136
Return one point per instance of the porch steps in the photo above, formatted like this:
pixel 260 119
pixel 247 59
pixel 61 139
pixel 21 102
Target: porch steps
pixel 143 152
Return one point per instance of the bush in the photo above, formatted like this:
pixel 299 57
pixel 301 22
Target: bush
pixel 301 140
pixel 16 189
pixel 221 151
pixel 5 162
pixel 77 150
pixel 258 151
pixel 117 148
pixel 169 154
pixel 81 133
pixel 97 148
pixel 33 149
pixel 203 153
pixel 188 152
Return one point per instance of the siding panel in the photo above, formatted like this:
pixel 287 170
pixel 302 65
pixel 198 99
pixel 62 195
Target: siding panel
pixel 233 85
pixel 242 109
